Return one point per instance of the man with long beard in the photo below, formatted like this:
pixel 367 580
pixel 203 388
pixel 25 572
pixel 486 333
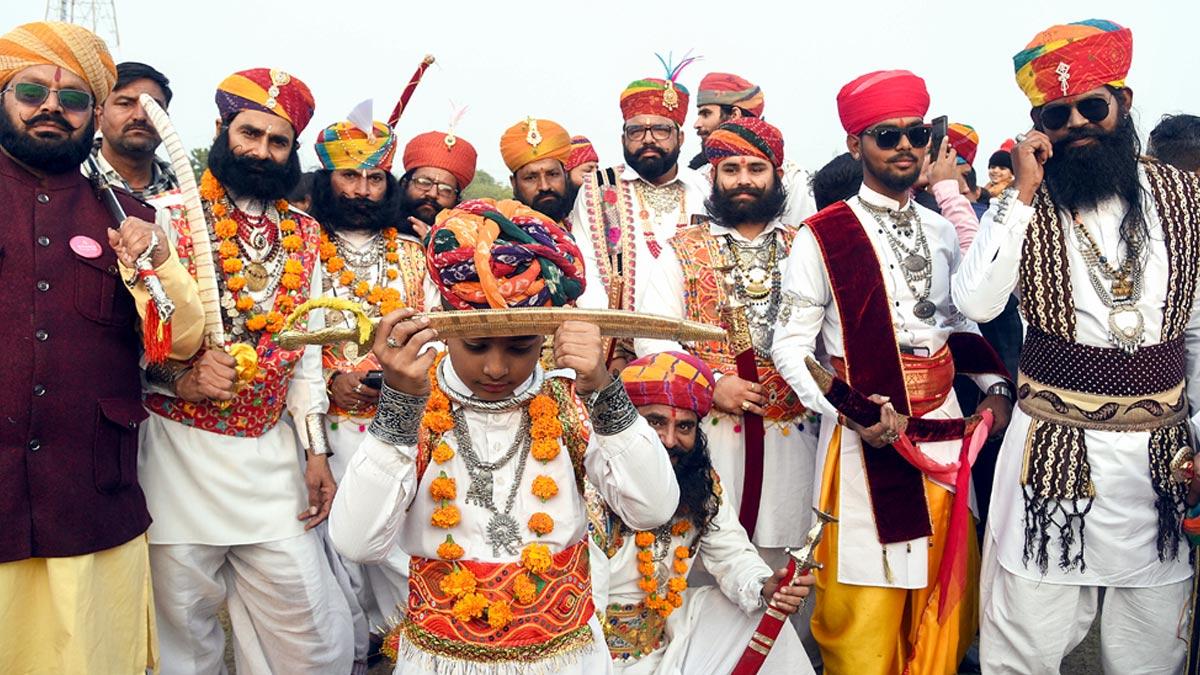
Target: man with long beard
pixel 370 256
pixel 653 622
pixel 625 215
pixel 438 166
pixel 233 504
pixel 74 576
pixel 1101 248
pixel 739 258
pixel 869 279
pixel 536 151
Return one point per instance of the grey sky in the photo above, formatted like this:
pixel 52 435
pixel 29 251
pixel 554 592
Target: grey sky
pixel 569 61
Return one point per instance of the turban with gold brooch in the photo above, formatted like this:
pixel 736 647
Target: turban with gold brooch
pixel 653 96
pixel 532 139
pixel 884 94
pixel 345 146
pixel 442 150
pixel 729 89
pixel 675 379
pixel 498 254
pixel 266 90
pixel 745 137
pixel 65 45
pixel 581 152
pixel 1070 59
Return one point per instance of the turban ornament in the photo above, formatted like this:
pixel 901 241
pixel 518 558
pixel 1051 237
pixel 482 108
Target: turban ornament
pixel 1070 59
pixel 533 139
pixel 267 90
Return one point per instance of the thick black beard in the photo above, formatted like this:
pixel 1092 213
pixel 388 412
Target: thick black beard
pixel 652 168
pixel 51 156
pixel 249 177
pixel 891 181
pixel 767 205
pixel 697 493
pixel 408 208
pixel 1081 177
pixel 335 212
pixel 553 205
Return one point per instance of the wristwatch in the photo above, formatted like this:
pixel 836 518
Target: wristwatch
pixel 1002 388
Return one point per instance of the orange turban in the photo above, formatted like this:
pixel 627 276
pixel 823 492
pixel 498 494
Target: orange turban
pixel 442 150
pixel 530 140
pixel 55 43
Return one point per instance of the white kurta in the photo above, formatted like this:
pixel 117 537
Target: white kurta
pixel 380 503
pixel 784 515
pixel 712 628
pixel 595 295
pixel 1122 525
pixel 813 316
pixel 800 202
pixel 207 488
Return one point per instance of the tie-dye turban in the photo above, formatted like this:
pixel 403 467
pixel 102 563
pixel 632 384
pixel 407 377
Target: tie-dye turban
pixel 670 378
pixel 745 137
pixel 1065 60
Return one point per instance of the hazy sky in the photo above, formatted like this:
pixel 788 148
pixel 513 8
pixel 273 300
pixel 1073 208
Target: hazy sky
pixel 569 61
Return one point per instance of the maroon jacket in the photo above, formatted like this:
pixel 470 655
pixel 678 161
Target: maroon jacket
pixel 70 398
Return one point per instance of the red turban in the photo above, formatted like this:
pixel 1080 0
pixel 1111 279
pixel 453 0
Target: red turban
pixel 745 137
pixel 442 151
pixel 1063 61
pixel 581 152
pixel 675 379
pixel 881 95
pixel 653 96
pixel 267 90
pixel 729 89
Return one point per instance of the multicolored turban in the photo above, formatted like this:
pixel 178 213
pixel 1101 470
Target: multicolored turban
pixel 499 254
pixel 267 90
pixel 653 96
pixel 729 89
pixel 881 95
pixel 582 152
pixel 745 137
pixel 345 146
pixel 964 139
pixel 442 150
pixel 532 139
pixel 1070 59
pixel 675 379
pixel 65 45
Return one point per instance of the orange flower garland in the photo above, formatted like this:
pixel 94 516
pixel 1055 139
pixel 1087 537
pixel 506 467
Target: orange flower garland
pixel 384 298
pixel 676 585
pixel 541 523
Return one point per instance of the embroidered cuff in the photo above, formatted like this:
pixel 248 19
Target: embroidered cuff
pixel 398 417
pixel 611 410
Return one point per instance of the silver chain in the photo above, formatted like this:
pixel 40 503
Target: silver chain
pixel 502 530
pixel 913 272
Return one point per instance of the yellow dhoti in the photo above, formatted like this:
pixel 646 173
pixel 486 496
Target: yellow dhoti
pixel 90 613
pixel 871 630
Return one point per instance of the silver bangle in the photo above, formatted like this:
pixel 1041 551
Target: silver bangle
pixel 397 419
pixel 318 441
pixel 611 410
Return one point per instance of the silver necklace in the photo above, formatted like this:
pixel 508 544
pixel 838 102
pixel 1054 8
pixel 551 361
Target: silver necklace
pixel 758 279
pixel 915 262
pixel 503 532
pixel 503 405
pixel 1126 325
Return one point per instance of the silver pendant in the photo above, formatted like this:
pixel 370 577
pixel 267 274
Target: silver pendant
pixel 915 263
pixel 503 533
pixel 1126 328
pixel 924 309
pixel 481 492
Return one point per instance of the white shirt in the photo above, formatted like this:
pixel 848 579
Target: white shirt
pixel 1120 548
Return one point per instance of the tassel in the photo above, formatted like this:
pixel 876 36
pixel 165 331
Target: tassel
pixel 887 568
pixel 156 333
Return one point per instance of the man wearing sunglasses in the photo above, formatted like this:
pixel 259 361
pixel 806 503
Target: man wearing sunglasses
pixel 869 279
pixel 438 166
pixel 626 214
pixel 1101 248
pixel 74 575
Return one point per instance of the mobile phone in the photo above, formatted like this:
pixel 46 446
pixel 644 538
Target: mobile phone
pixel 939 132
pixel 373 379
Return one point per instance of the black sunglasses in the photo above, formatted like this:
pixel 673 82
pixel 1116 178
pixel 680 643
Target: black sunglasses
pixel 888 137
pixel 33 94
pixel 1055 117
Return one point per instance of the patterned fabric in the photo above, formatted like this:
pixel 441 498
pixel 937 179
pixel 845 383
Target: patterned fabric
pixel 266 90
pixel 670 378
pixel 884 94
pixel 1070 59
pixel 259 404
pixel 653 96
pixel 1056 479
pixel 632 631
pixel 745 137
pixel 66 45
pixel 532 139
pixel 162 176
pixel 729 89
pixel 485 253
pixel 964 139
pixel 344 146
pixel 581 152
pixel 442 150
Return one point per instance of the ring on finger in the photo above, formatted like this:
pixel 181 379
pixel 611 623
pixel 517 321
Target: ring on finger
pixel 745 405
pixel 1020 138
pixel 391 342
pixel 358 388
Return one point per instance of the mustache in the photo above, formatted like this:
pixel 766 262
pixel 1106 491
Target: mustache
pixel 1080 134
pixel 649 148
pixel 748 191
pixel 903 156
pixel 138 125
pixel 546 194
pixel 54 118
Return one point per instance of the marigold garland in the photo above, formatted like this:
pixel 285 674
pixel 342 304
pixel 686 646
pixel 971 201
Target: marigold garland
pixel 499 614
pixel 676 585
pixel 459 582
pixel 470 606
pixel 524 589
pixel 544 487
pixel 449 549
pixel 536 558
pixel 541 523
pixel 384 298
pixel 443 488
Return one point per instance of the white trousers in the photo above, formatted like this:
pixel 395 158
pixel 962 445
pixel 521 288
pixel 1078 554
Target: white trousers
pixel 1027 627
pixel 377 593
pixel 287 613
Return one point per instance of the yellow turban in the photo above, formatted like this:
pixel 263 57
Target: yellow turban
pixel 55 43
pixel 530 140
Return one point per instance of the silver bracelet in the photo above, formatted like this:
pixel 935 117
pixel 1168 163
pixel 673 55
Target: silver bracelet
pixel 398 417
pixel 318 441
pixel 611 410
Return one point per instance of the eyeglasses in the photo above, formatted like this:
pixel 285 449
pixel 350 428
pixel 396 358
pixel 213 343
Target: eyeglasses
pixel 1055 117
pixel 659 132
pixel 33 94
pixel 888 137
pixel 426 184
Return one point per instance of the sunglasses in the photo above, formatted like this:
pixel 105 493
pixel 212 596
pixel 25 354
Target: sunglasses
pixel 32 95
pixel 888 137
pixel 1055 117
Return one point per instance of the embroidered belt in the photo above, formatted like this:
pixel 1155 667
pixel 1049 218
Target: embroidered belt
pixel 553 624
pixel 927 379
pixel 632 631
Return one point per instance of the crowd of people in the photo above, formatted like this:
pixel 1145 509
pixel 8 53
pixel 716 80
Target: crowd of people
pixel 955 375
